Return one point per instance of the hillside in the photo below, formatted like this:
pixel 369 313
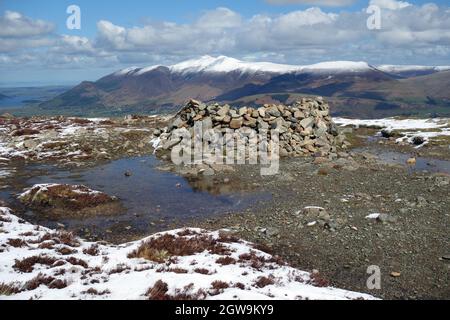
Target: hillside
pixel 354 88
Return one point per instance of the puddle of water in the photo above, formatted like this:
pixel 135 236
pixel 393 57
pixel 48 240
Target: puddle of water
pixel 422 163
pixel 152 198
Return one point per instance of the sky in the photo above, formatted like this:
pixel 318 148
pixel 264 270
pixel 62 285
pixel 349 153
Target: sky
pixel 37 48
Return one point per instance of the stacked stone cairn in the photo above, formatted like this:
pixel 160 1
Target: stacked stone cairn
pixel 305 127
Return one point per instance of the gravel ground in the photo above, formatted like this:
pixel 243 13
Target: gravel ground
pixel 410 244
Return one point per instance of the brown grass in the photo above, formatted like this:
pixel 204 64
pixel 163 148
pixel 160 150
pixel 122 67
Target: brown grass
pixel 66 196
pixel 187 294
pixel 158 291
pixel 187 232
pixel 49 281
pixel 26 265
pixel 80 121
pixel 225 261
pixel 66 251
pixel 8 289
pixel 25 132
pixel 59 237
pixel 240 285
pixel 92 250
pixel 47 245
pixel 201 270
pixel 67 238
pixel 95 292
pixel 27 234
pixel 77 262
pixel 174 270
pixel 257 262
pixel 218 285
pixel 161 248
pixel 17 243
pixel 227 237
pixel 318 281
pixel 262 282
pixel 119 269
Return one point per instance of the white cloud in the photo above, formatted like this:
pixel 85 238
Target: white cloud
pixel 220 18
pixel 331 3
pixel 14 24
pixel 409 34
pixel 390 4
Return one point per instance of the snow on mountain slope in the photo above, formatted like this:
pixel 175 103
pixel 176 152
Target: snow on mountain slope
pixel 226 64
pixel 404 68
pixel 347 66
pixel 223 64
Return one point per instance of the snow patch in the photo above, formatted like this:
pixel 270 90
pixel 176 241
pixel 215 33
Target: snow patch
pixel 411 128
pixel 105 271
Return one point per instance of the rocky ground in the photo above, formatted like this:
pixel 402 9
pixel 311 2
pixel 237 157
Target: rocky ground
pixel 74 141
pixel 369 213
pixel 338 215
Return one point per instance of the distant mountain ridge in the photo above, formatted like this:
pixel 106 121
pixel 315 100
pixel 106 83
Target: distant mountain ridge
pixel 353 88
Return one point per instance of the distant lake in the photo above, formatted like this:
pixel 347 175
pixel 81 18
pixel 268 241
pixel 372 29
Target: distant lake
pixel 23 96
pixel 18 101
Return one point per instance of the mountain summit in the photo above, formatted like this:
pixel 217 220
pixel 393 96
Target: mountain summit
pixel 223 64
pixel 353 88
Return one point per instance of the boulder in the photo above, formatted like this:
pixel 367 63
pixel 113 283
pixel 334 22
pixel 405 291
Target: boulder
pixel 236 123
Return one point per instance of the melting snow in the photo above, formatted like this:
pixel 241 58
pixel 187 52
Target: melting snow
pixel 109 272
pixel 412 127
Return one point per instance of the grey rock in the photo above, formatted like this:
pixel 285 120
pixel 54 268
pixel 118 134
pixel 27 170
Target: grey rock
pixel 307 123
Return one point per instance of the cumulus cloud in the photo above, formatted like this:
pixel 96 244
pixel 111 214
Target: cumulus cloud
pixel 390 4
pixel 14 24
pixel 409 34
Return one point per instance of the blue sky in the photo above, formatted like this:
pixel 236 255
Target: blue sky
pixel 118 34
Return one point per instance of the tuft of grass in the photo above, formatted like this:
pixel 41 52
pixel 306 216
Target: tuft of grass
pixel 95 292
pixel 77 262
pixel 201 270
pixel 8 289
pixel 17 243
pixel 174 270
pixel 262 281
pixel 66 251
pixel 119 269
pixel 161 248
pixel 158 291
pixel 26 265
pixel 218 285
pixel 225 261
pixel 50 282
pixel 92 250
pixel 318 280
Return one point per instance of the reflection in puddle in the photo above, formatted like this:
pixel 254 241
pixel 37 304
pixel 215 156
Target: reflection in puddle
pixel 422 163
pixel 428 164
pixel 152 198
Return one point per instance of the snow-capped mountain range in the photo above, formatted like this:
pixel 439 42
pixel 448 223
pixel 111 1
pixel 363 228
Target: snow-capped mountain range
pixel 223 64
pixel 353 88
